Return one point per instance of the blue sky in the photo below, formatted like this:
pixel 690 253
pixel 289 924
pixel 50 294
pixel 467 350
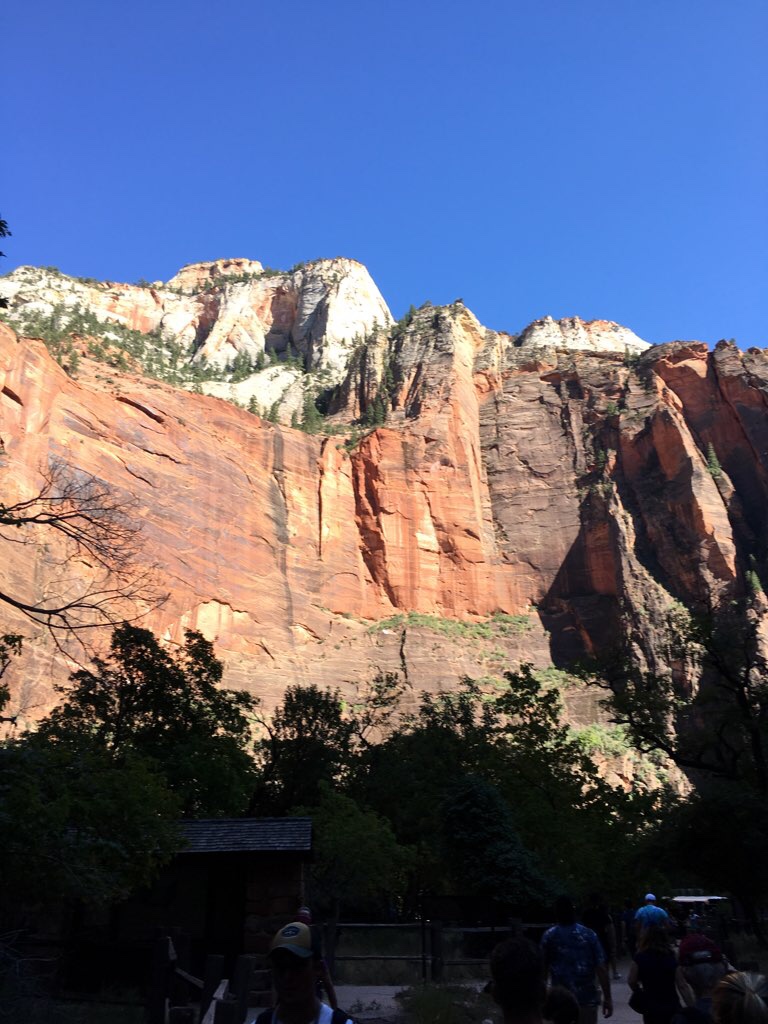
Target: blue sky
pixel 600 158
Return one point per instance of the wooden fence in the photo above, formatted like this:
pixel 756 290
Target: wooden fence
pixel 175 994
pixel 431 956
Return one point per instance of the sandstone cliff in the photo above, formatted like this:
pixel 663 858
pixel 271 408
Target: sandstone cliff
pixel 517 497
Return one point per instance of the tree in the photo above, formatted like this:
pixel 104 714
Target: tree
pixel 78 824
pixel 706 707
pixel 142 700
pixel 10 646
pixel 93 525
pixel 713 463
pixel 314 737
pixel 4 233
pixel 484 851
pixel 574 824
pixel 307 742
pixel 311 419
pixel 358 864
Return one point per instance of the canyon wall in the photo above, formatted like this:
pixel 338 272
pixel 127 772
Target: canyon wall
pixel 523 498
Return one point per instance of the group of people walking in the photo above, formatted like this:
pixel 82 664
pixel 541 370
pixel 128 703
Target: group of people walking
pixel 694 984
pixel 566 979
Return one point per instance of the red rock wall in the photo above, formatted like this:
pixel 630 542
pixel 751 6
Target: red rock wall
pixel 501 482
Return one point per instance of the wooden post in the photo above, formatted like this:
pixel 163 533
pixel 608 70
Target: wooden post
pixel 241 984
pixel 423 933
pixel 162 971
pixel 212 975
pixel 329 936
pixel 179 993
pixel 436 942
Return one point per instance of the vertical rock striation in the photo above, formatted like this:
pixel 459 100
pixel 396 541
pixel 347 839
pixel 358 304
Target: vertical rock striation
pixel 572 477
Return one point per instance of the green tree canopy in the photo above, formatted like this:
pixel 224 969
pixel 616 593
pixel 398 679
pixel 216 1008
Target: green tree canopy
pixel 308 741
pixel 483 849
pixel 79 825
pixel 574 824
pixel 314 736
pixel 142 699
pixel 358 863
pixel 704 703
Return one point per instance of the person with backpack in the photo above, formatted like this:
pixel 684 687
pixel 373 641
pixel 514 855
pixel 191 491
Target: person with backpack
pixel 702 966
pixel 294 959
pixel 652 977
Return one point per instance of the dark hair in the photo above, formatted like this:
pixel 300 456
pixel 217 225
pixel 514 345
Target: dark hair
pixel 517 969
pixel 565 912
pixel 654 938
pixel 561 1006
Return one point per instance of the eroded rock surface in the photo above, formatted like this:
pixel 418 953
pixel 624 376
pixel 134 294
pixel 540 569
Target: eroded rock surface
pixel 552 486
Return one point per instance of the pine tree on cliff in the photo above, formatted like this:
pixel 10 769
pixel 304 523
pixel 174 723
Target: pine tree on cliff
pixel 4 233
pixel 713 463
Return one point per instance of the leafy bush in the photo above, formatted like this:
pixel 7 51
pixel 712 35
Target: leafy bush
pixel 433 1004
pixel 498 624
pixel 608 740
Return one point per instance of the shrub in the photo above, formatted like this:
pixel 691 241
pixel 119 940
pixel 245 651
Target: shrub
pixel 713 464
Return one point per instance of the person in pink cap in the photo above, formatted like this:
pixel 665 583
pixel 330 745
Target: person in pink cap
pixel 325 983
pixel 702 966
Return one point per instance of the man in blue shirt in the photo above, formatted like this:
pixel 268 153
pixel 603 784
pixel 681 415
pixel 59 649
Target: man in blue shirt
pixel 573 957
pixel 649 914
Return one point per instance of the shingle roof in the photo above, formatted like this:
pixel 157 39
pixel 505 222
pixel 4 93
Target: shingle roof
pixel 248 835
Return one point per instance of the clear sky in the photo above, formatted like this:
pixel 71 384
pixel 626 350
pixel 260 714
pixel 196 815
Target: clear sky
pixel 600 158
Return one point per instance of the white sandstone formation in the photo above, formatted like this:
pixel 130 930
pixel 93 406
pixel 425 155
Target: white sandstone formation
pixel 584 335
pixel 317 312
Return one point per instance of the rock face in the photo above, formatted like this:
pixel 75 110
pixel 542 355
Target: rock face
pixel 581 335
pixel 217 311
pixel 550 486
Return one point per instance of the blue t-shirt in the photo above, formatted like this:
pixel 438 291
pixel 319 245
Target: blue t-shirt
pixel 573 953
pixel 650 914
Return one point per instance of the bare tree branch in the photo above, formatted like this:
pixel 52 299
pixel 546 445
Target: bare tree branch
pixel 97 539
pixel 85 511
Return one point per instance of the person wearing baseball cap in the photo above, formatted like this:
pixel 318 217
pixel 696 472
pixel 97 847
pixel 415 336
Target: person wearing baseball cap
pixel 294 959
pixel 651 915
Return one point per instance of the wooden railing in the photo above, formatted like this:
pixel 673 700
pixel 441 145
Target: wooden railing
pixel 430 956
pixel 175 992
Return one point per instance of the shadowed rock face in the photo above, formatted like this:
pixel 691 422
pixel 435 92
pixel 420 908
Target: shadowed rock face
pixel 554 484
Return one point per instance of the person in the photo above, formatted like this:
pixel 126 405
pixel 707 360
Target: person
pixel 560 1006
pixel 650 914
pixel 741 998
pixel 701 966
pixel 325 982
pixel 653 971
pixel 573 957
pixel 597 917
pixel 294 958
pixel 628 934
pixel 518 982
